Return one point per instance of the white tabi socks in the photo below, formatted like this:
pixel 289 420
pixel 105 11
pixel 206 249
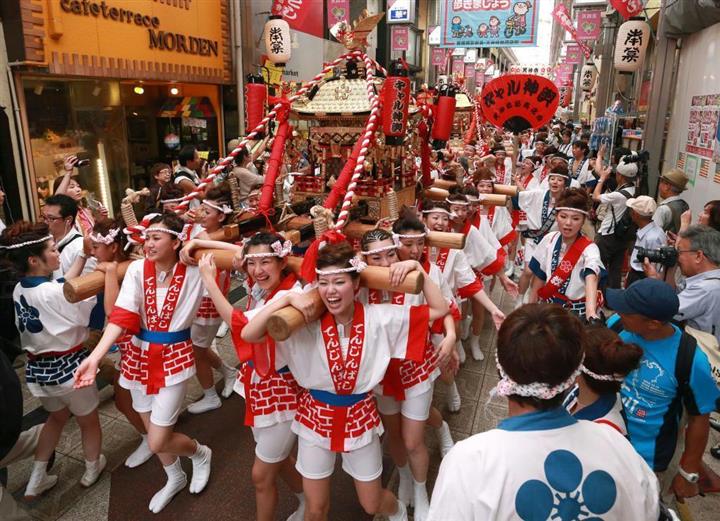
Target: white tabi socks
pixel 444 438
pixel 139 455
pixel 229 375
pixel 208 402
pixel 422 504
pixel 299 514
pixel 201 468
pixel 477 353
pixel 405 487
pixel 453 398
pixel 177 479
pixel 39 481
pixel 400 515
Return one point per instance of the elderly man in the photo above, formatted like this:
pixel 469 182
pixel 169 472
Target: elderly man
pixel 671 185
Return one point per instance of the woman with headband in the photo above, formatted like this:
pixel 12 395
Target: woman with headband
pixel 340 359
pixel 108 247
pixel 52 333
pixel 214 211
pixel 540 460
pixel 566 265
pixel 404 396
pixel 158 302
pixel 608 361
pixel 539 208
pixel 265 381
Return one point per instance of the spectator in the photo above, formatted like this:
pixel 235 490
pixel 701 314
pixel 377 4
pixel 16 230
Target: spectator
pixel 649 235
pixel 671 185
pixel 185 175
pixel 160 175
pixel 579 165
pixel 608 360
pixel 59 214
pixel 674 377
pixel 515 470
pixel 246 178
pixel 565 147
pixel 699 261
pixel 710 216
pixel 88 210
pixel 613 240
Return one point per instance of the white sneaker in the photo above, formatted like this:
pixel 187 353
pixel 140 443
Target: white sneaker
pixel 177 480
pixel 139 455
pixel 201 468
pixel 461 351
pixel 405 485
pixel 222 330
pixel 40 482
pixel 477 353
pixel 207 403
pixel 93 469
pixel 230 376
pixel 453 398
pixel 444 438
pixel 400 515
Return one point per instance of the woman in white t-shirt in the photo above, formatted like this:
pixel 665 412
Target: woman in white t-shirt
pixel 540 462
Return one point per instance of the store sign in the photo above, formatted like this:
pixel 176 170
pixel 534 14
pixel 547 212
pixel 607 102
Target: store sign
pixel 628 8
pixel 589 25
pixel 338 11
pixel 470 56
pixel 437 57
pixel 573 54
pixel 399 39
pixel 469 71
pixel 434 35
pixel 458 66
pixel 489 23
pixel 519 101
pixel 401 12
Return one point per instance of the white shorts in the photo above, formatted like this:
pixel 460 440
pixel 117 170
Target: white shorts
pixel 528 251
pixel 416 408
pixel 363 464
pixel 81 402
pixel 274 443
pixel 164 407
pixel 202 335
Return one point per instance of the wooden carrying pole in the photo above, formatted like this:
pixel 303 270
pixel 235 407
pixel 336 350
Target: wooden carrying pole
pixel 446 184
pixel 355 230
pixel 438 194
pixel 288 319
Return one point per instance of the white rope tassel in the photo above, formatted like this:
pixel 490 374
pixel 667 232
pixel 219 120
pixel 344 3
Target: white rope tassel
pixel 183 206
pixel 366 139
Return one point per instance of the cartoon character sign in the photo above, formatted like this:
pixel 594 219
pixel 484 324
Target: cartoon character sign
pixel 482 30
pixel 456 27
pixel 520 17
pixel 494 29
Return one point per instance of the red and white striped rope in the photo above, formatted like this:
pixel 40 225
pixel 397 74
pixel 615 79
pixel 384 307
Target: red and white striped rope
pixel 223 163
pixel 370 128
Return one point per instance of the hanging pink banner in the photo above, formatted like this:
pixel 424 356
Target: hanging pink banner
pixel 562 15
pixel 399 37
pixel 573 54
pixel 337 11
pixel 438 57
pixel 589 25
pixel 458 67
pixel 469 70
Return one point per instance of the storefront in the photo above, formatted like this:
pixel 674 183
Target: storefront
pixel 123 84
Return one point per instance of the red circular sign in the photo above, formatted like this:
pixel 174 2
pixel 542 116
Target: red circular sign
pixel 518 102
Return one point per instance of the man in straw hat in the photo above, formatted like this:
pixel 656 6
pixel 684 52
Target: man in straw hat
pixel 672 184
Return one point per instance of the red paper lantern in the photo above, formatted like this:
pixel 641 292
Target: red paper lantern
pixel 444 112
pixel 518 102
pixel 396 101
pixel 255 100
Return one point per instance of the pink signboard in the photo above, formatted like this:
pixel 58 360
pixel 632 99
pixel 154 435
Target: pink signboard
pixel 469 70
pixel 573 55
pixel 589 25
pixel 399 37
pixel 438 57
pixel 458 67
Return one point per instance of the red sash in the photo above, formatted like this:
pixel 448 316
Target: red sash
pixel 500 173
pixel 376 296
pixel 155 378
pixel 392 385
pixel 442 257
pixel 564 270
pixel 544 173
pixel 344 373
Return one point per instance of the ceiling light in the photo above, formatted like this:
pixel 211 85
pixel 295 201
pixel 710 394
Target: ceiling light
pixel 174 91
pixel 139 90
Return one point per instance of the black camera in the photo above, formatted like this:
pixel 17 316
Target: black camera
pixel 667 256
pixel 82 162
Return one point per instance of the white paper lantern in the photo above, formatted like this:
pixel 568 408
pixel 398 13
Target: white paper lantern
pixel 587 77
pixel 278 43
pixel 631 44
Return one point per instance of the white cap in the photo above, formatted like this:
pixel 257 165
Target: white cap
pixel 643 204
pixel 629 170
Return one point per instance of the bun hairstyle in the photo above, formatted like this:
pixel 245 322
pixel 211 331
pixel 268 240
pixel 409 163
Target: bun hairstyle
pixel 18 233
pixel 606 353
pixel 574 198
pixel 371 236
pixel 105 225
pixel 336 255
pixel 471 191
pixel 540 343
pixel 483 174
pixel 408 223
pixel 429 204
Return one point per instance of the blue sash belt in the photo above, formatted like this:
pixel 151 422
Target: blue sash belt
pixel 337 400
pixel 163 337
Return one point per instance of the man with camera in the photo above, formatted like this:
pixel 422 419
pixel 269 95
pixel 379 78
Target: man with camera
pixel 650 237
pixel 671 185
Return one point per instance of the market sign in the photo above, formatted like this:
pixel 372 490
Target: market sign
pixel 518 102
pixel 144 39
pixel 589 25
pixel 488 23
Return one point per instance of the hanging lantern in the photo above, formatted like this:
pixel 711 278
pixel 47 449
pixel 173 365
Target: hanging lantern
pixel 396 101
pixel 631 44
pixel 587 77
pixel 277 40
pixel 255 100
pixel 566 94
pixel 444 114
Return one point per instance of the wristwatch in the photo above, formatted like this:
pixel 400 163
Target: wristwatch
pixel 690 477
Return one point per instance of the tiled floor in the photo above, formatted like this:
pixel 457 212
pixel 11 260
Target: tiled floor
pixel 69 502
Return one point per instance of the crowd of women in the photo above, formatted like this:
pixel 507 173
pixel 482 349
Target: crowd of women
pixel 367 367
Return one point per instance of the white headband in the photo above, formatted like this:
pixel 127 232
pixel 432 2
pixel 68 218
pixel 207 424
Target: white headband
pixel 278 250
pixel 105 239
pixel 602 377
pixel 176 200
pixel 222 209
pixel 355 265
pixel 389 247
pixel 506 386
pixel 182 236
pixel 398 236
pixel 460 203
pixel 439 210
pixel 26 243
pixel 558 175
pixel 570 209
